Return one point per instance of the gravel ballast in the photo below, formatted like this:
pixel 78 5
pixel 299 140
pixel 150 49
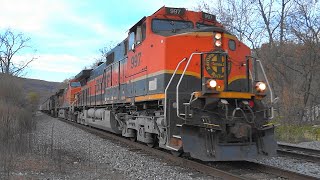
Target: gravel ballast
pixel 66 152
pixel 62 151
pixel 300 166
pixel 296 165
pixel 310 145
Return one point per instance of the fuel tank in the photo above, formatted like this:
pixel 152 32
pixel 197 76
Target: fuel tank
pixel 102 119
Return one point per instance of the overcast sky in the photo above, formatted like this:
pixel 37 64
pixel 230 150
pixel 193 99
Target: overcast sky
pixel 67 34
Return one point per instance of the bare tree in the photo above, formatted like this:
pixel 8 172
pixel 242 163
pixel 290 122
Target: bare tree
pixel 284 34
pixel 305 29
pixel 103 54
pixel 10 45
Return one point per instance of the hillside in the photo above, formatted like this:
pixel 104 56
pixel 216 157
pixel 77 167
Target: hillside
pixel 43 88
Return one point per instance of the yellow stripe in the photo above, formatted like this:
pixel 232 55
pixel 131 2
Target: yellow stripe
pixel 165 71
pixel 190 73
pixel 196 34
pixel 149 97
pixel 260 97
pixel 140 78
pixel 227 95
pixel 230 36
pixel 186 73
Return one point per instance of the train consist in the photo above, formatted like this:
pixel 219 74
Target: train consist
pixel 179 81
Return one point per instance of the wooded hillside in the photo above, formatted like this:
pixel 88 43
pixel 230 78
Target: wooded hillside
pixel 285 35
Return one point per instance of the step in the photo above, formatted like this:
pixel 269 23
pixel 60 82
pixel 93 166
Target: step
pixel 182 114
pixel 172 148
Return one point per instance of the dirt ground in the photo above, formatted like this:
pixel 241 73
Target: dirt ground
pixel 45 162
pixel 61 165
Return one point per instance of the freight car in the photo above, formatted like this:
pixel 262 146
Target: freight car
pixel 182 82
pixel 52 104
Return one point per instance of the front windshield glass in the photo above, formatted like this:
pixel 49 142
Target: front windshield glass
pixel 75 84
pixel 159 25
pixel 201 25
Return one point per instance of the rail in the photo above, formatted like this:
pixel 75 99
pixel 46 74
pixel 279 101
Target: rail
pixel 299 152
pixel 198 166
pixel 219 169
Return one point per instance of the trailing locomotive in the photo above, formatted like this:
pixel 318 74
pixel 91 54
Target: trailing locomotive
pixel 179 81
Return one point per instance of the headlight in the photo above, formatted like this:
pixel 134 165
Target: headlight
pixel 261 86
pixel 212 83
pixel 218 36
pixel 218 43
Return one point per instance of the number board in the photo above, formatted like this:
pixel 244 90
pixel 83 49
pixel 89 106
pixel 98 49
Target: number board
pixel 208 17
pixel 175 11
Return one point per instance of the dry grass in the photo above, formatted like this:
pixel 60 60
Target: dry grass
pixel 296 133
pixel 16 122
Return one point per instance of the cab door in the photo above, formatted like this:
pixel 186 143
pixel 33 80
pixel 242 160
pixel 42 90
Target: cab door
pixel 137 68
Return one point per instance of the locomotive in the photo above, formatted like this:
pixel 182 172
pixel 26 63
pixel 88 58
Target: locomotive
pixel 180 81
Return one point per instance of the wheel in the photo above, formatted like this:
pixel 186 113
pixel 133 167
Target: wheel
pixel 133 139
pixel 152 145
pixel 154 142
pixel 177 153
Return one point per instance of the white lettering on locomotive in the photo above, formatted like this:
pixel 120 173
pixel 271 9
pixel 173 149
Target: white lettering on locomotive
pixel 175 11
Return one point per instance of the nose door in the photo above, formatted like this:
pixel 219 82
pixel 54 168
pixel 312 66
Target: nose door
pixel 215 67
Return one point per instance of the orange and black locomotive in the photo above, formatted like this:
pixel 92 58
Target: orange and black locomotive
pixel 179 81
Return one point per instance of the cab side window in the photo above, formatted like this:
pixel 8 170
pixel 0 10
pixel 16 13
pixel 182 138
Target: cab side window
pixel 137 35
pixel 125 47
pixel 131 40
pixel 143 30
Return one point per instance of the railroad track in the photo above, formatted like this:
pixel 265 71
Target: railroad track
pixel 299 152
pixel 225 170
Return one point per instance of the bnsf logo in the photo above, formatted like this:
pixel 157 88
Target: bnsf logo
pixel 175 11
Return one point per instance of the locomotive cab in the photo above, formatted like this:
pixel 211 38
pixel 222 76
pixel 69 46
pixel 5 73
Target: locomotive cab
pixel 73 88
pixel 68 100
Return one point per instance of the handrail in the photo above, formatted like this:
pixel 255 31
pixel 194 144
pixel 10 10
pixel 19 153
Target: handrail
pixel 272 100
pixel 268 84
pixel 165 95
pixel 178 85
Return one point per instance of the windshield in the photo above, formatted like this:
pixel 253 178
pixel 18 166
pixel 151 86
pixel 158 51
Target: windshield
pixel 75 84
pixel 159 25
pixel 201 25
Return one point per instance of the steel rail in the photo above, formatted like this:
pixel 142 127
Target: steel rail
pixel 280 172
pixel 207 170
pixel 299 152
pixel 194 164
